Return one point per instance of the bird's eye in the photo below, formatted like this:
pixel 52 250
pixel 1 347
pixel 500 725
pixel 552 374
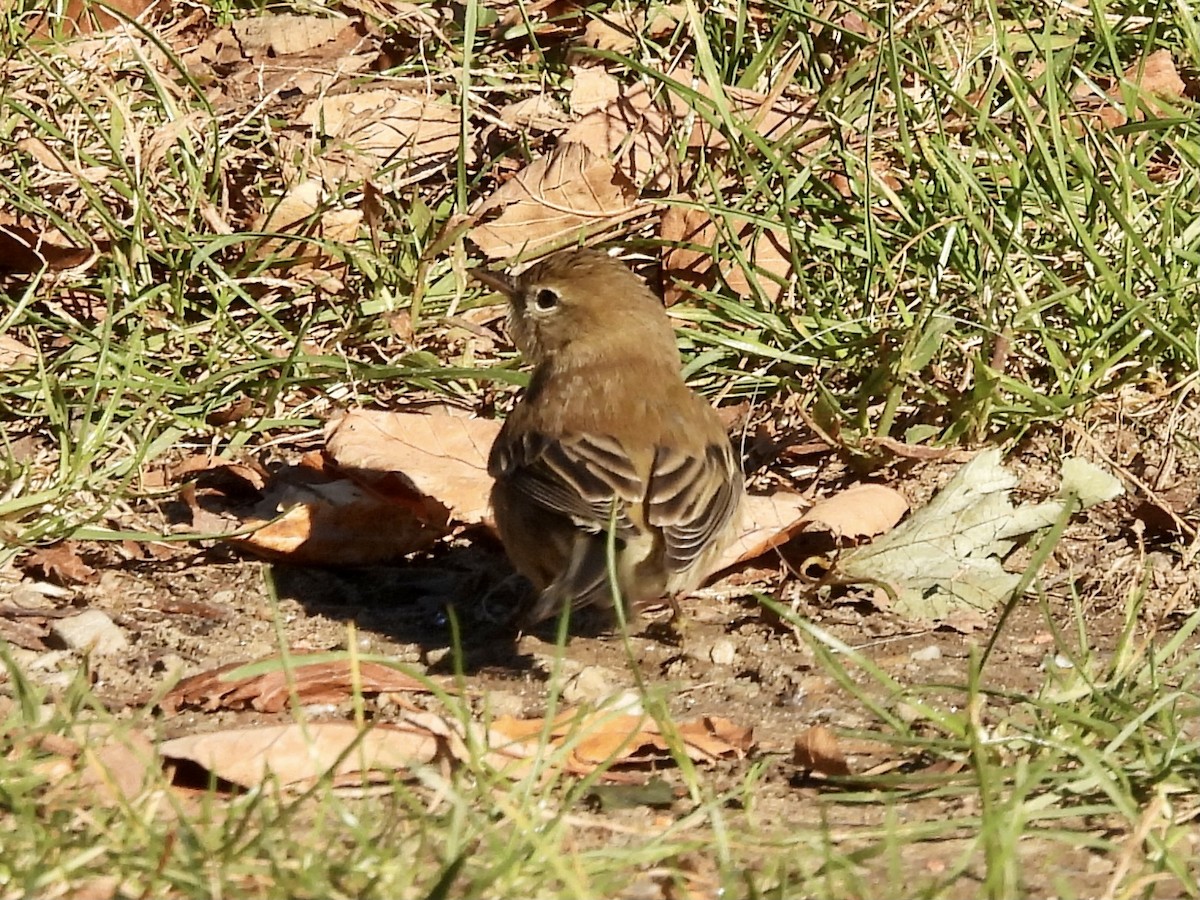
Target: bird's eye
pixel 545 299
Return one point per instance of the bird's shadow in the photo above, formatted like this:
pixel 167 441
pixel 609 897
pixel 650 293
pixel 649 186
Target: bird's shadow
pixel 464 599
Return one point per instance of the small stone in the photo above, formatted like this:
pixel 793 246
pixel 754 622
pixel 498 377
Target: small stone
pixel 927 654
pixel 506 703
pixel 908 713
pixel 723 653
pixel 590 684
pixel 435 655
pixel 26 597
pixel 92 632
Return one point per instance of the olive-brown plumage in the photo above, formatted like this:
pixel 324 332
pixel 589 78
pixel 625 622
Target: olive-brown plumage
pixel 606 436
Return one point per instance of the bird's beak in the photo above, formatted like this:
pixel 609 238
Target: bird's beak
pixel 497 281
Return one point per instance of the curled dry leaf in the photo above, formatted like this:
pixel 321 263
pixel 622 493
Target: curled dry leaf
pixel 1154 78
pixel 442 457
pixel 299 754
pixel 689 243
pixel 539 112
pixel 617 29
pixel 61 563
pixel 82 17
pixel 325 681
pixel 817 750
pixel 593 739
pixel 109 768
pixel 765 524
pixel 774 118
pixel 24 251
pixel 768 264
pixel 14 354
pixel 340 523
pixel 552 200
pixel 863 510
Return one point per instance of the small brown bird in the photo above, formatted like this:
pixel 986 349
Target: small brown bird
pixel 606 438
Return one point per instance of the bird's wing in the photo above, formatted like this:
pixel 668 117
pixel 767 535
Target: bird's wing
pixel 587 477
pixel 692 498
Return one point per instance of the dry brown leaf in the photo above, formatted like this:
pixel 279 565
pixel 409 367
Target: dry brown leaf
pixel 817 749
pixel 616 30
pixel 765 524
pixel 364 132
pixel 61 563
pixel 863 510
pixel 30 633
pixel 251 474
pixel 767 251
pixel 119 769
pixel 635 131
pixel 1157 75
pixel 592 88
pixel 339 523
pixel 551 200
pixel 24 251
pixel 296 213
pixel 283 35
pixel 13 353
pixel 605 738
pixel 302 212
pixel 329 681
pixel 241 74
pixel 440 456
pixel 774 118
pixel 690 239
pixel 83 17
pixel 204 521
pixel 298 754
pixel 905 450
pixel 539 112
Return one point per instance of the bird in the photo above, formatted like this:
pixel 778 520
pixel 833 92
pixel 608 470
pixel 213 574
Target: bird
pixel 606 442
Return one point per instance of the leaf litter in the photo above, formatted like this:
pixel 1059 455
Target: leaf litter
pixel 535 200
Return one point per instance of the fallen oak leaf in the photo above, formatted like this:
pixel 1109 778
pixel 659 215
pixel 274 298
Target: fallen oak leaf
pixel 325 681
pixel 861 510
pixel 817 749
pixel 590 739
pixel 340 523
pixel 441 457
pixel 299 754
pixel 62 563
pixel 551 200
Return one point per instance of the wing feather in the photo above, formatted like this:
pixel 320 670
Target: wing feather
pixel 692 498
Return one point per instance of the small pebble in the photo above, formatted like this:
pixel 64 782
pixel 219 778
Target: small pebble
pixel 723 653
pixel 590 684
pixel 927 654
pixel 91 631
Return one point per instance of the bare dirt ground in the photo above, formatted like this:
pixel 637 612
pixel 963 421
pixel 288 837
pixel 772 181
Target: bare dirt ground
pixel 206 607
